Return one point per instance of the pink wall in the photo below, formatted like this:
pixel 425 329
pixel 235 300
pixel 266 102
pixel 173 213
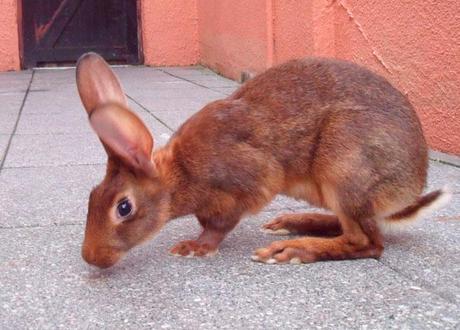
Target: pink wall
pixel 417 47
pixel 169 32
pixel 233 35
pixel 239 35
pixel 9 41
pixel 292 29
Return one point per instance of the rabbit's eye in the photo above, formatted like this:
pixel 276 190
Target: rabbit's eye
pixel 124 208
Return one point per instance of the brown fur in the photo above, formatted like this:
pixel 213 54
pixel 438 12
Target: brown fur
pixel 306 224
pixel 326 131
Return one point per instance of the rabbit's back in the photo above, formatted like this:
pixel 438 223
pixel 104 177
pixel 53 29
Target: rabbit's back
pixel 315 107
pixel 308 119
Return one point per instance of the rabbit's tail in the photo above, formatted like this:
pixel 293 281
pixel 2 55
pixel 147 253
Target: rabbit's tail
pixel 422 207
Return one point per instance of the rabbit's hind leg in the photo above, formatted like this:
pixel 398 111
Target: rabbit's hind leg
pixel 311 249
pixel 360 236
pixel 314 224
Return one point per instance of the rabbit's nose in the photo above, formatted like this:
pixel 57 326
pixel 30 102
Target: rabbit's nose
pixel 88 255
pixel 100 257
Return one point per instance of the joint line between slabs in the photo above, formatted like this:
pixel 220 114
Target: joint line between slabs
pixel 423 284
pixel 52 166
pixel 150 113
pixel 7 149
pixel 42 226
pixel 444 162
pixel 192 82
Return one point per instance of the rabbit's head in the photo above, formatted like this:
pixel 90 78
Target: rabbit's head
pixel 130 204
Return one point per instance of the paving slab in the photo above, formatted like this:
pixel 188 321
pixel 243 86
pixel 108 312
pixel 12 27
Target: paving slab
pixel 213 81
pixel 13 82
pixel 441 175
pixel 50 102
pixel 4 139
pixel 135 75
pixel 175 119
pixel 191 92
pixel 74 122
pixel 73 119
pixel 54 150
pixel 140 86
pixel 445 158
pixel 428 253
pixel 53 78
pixel 188 71
pixel 43 196
pixel 176 110
pixel 173 105
pixel 45 140
pixel 225 90
pixel 173 112
pixel 10 105
pixel 45 283
pixel 32 150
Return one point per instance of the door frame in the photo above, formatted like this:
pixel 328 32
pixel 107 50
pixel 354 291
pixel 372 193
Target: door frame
pixel 140 48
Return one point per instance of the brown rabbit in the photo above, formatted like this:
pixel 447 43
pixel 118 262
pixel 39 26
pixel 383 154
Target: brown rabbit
pixel 325 131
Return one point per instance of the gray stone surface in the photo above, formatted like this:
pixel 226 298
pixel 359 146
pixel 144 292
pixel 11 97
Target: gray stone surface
pixel 74 122
pixel 213 81
pixel 428 253
pixel 445 158
pixel 175 119
pixel 142 76
pixel 44 282
pixel 54 150
pixel 441 175
pixel 14 82
pixel 189 71
pixel 42 196
pixel 10 105
pixel 54 161
pixel 225 90
pixel 51 102
pixel 65 137
pixel 189 91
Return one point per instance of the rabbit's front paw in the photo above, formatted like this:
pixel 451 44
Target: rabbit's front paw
pixel 192 249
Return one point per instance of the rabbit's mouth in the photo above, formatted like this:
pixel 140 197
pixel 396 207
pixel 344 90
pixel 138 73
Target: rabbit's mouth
pixel 102 257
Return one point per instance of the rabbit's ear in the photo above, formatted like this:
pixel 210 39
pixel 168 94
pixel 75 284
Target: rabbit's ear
pixel 124 136
pixel 97 83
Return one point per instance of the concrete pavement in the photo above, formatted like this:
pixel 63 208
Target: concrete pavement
pixel 50 159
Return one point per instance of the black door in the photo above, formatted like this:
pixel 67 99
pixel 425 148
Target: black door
pixel 59 31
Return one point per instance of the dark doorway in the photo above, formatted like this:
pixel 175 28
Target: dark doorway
pixel 59 31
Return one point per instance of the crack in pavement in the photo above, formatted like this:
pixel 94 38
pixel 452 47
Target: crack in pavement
pixel 193 82
pixel 150 113
pixel 7 149
pixel 53 166
pixel 424 285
